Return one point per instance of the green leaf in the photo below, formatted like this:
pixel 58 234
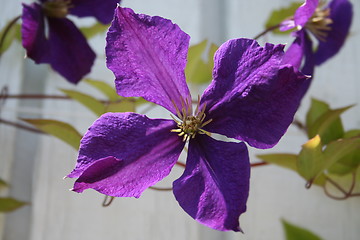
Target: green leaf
pixel 320 180
pixel 3 184
pixel 94 30
pixel 311 160
pixel 61 130
pixel 352 133
pixel 139 101
pixel 293 232
pixel 328 125
pixel 124 105
pixel 197 70
pixel 289 161
pixel 277 16
pixel 281 159
pixel 343 156
pixel 194 60
pixel 105 88
pixel 88 101
pixel 12 34
pixel 317 108
pixel 212 50
pixel 10 204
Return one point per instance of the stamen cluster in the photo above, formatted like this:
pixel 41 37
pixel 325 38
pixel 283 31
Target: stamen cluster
pixel 319 23
pixel 57 8
pixel 189 125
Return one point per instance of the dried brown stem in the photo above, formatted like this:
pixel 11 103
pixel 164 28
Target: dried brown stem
pixel 107 201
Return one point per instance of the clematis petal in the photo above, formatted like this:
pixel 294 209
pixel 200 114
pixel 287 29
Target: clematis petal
pixel 102 10
pixel 300 55
pixel 287 25
pixel 304 12
pixel 215 185
pixel 341 15
pixel 309 61
pixel 66 49
pixel 295 53
pixel 148 57
pixel 33 33
pixel 71 55
pixel 122 154
pixel 253 97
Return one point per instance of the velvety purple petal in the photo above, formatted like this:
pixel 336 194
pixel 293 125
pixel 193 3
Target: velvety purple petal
pixel 215 185
pixel 295 53
pixel 300 55
pixel 341 15
pixel 71 55
pixel 309 61
pixel 148 57
pixel 33 33
pixel 253 96
pixel 102 10
pixel 299 50
pixel 304 12
pixel 122 154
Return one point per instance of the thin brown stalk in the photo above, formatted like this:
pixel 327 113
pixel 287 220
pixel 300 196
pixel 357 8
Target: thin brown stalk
pixel 161 189
pixel 269 29
pixel 21 126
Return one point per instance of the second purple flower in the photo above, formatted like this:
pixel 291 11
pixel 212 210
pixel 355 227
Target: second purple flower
pixel 49 37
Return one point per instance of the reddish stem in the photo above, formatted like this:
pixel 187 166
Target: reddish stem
pixel 258 164
pixel 266 31
pixel 347 194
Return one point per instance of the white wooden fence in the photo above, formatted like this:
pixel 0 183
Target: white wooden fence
pixel 35 164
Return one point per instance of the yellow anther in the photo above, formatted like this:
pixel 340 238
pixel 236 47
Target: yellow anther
pixel 57 8
pixel 319 23
pixel 189 125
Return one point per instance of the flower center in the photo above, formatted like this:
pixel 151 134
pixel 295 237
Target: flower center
pixel 56 8
pixel 319 23
pixel 189 125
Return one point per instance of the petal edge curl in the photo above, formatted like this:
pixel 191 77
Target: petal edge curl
pixel 141 150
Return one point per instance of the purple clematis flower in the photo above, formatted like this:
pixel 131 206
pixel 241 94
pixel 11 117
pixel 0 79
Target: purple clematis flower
pixel 49 37
pixel 252 98
pixel 328 24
